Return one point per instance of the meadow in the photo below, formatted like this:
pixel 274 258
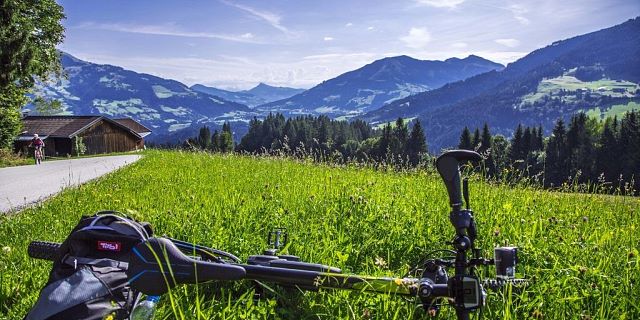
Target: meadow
pixel 579 250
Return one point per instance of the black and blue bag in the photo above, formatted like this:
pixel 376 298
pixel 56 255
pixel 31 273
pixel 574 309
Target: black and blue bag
pixel 88 279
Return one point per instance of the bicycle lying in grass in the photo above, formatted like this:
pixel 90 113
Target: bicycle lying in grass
pixel 155 265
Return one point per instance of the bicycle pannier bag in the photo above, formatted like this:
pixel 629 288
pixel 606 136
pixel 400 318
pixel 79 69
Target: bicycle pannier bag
pixel 88 279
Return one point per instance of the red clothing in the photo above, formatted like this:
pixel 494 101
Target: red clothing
pixel 37 142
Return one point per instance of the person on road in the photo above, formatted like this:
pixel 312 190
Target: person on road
pixel 38 144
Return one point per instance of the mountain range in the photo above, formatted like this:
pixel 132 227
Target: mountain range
pixel 163 105
pixel 382 81
pixel 596 73
pixel 600 69
pixel 260 94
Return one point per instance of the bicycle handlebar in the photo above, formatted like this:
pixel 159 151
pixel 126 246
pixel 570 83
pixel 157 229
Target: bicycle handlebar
pixel 156 265
pixel 448 165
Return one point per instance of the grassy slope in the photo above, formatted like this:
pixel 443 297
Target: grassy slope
pixel 550 87
pixel 582 250
pixel 617 110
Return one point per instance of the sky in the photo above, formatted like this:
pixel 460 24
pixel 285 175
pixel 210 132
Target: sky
pixel 236 44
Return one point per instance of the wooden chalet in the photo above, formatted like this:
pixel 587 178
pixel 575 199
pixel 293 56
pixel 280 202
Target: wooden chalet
pixel 99 134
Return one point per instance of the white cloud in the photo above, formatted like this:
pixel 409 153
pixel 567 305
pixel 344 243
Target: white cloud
pixel 241 72
pixel 459 45
pixel 511 43
pixel 328 38
pixel 168 30
pixel 518 12
pixel 371 28
pixel 349 24
pixel 523 21
pixel 269 17
pixel 440 3
pixel 417 38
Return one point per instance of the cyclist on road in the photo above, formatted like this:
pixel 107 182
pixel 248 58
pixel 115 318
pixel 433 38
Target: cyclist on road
pixel 38 144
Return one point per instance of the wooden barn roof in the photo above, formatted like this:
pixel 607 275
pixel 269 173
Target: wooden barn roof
pixel 67 126
pixel 136 126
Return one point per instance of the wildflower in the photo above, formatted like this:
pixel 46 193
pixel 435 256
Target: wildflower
pixel 380 262
pixel 496 232
pixel 585 219
pixel 6 249
pixel 537 314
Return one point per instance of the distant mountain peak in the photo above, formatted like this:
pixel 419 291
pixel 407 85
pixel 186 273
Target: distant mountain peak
pixel 261 85
pixel 378 83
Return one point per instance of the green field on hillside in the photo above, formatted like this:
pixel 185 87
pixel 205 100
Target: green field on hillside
pixel 604 87
pixel 616 110
pixel 580 250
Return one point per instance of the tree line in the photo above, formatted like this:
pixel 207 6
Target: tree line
pixel 324 139
pixel 216 142
pixel 588 152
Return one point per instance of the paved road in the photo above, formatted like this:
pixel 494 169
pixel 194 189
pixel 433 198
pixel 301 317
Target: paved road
pixel 24 185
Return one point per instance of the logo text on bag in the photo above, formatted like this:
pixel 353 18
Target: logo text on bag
pixel 109 246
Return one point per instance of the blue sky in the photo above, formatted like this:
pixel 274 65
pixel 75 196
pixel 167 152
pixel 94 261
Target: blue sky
pixel 236 44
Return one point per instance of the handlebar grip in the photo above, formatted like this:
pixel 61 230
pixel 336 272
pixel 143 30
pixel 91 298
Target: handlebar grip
pixel 448 167
pixel 44 250
pixel 157 265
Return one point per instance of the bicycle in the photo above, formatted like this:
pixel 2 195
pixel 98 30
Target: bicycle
pixel 38 154
pixel 159 264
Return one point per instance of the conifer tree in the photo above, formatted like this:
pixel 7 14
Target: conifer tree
pixel 486 148
pixel 417 144
pixel 204 138
pixel 486 140
pixel 465 140
pixel 476 139
pixel 629 148
pixel 400 136
pixel 215 141
pixel 608 142
pixel 516 150
pixel 555 156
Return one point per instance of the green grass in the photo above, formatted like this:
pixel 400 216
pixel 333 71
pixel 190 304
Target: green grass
pixel 381 126
pixel 10 159
pixel 550 87
pixel 580 250
pixel 615 110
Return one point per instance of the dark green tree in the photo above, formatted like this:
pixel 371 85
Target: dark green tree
pixel 384 144
pixel 485 140
pixel 516 150
pixel 609 145
pixel 629 148
pixel 486 148
pixel 580 149
pixel 47 107
pixel 555 171
pixel 465 140
pixel 29 33
pixel 204 138
pixel 400 136
pixel 475 142
pixel 215 141
pixel 417 143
